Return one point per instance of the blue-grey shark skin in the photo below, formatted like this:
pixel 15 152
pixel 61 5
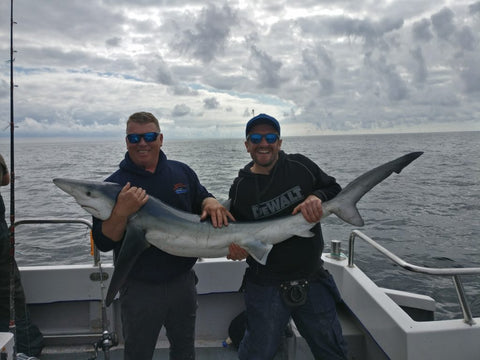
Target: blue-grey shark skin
pixel 183 234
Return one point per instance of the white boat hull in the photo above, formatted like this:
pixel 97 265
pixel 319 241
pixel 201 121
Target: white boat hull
pixel 65 303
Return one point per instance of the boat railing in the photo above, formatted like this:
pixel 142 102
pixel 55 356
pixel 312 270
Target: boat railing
pixel 96 253
pixel 455 273
pixel 107 339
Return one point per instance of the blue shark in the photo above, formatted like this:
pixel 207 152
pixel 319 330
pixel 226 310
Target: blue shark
pixel 184 234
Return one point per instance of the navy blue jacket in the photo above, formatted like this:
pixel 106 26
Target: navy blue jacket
pixel 176 184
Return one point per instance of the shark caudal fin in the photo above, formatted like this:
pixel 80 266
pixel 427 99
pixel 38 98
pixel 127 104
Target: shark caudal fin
pixel 344 204
pixel 134 243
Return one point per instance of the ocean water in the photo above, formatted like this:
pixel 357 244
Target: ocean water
pixel 428 215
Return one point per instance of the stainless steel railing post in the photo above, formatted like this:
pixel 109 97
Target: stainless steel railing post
pixel 462 299
pixel 455 273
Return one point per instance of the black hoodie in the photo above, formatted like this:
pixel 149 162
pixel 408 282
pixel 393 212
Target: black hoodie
pixel 255 196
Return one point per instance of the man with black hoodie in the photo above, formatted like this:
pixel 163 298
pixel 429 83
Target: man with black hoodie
pixel 161 288
pixel 293 283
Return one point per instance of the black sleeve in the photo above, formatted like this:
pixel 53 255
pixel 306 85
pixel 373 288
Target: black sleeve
pixel 102 242
pixel 325 186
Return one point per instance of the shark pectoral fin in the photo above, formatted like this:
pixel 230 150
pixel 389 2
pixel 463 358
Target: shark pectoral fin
pixel 134 243
pixel 305 234
pixel 348 213
pixel 258 250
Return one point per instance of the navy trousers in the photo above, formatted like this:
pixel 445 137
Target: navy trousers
pixel 146 307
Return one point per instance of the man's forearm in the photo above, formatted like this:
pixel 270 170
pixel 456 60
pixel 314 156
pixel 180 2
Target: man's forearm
pixel 114 227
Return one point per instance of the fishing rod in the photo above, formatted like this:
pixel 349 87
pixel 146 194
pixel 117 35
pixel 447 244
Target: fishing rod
pixel 12 325
pixel 108 339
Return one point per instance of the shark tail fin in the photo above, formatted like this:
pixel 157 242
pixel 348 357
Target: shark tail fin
pixel 134 243
pixel 405 160
pixel 344 204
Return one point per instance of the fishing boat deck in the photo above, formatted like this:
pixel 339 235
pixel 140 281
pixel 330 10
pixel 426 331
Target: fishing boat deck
pixel 77 325
pixel 66 304
pixel 76 302
pixel 82 353
pixel 294 347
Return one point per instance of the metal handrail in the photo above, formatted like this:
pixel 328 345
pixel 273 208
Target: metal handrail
pixel 96 254
pixel 455 273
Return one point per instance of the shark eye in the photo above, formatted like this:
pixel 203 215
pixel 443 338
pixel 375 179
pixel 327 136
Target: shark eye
pixel 89 193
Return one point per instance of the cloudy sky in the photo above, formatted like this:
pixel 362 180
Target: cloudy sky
pixel 203 67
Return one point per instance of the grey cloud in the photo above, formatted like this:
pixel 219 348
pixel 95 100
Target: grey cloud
pixel 57 57
pixel 443 23
pixel 474 8
pixel 368 30
pixel 252 37
pixel 327 86
pixel 113 42
pixel 164 76
pixel 144 27
pixel 438 98
pixel 153 67
pixel 72 54
pixel 218 81
pixel 466 39
pixel 318 66
pixel 212 29
pixel 471 81
pixel 266 68
pixel 446 29
pixel 4 89
pixel 184 90
pixel 420 71
pixel 397 89
pixel 211 103
pixel 76 21
pixel 155 3
pixel 316 61
pixel 393 83
pixel 421 30
pixel 181 110
pixel 469 73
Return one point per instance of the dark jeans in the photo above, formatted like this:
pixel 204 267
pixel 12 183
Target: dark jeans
pixel 146 307
pixel 316 320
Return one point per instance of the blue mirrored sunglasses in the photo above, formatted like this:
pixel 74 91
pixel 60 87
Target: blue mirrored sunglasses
pixel 148 137
pixel 257 138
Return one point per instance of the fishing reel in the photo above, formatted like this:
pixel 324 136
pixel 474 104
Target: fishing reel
pixel 107 341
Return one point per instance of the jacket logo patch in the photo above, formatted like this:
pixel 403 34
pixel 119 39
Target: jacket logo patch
pixel 180 188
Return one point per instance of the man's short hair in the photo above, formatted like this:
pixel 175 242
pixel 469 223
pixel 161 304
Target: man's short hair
pixel 143 117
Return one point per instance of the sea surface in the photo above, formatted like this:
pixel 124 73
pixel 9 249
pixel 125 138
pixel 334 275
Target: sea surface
pixel 428 215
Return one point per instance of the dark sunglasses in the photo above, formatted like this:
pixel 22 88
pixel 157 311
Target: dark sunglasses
pixel 148 137
pixel 257 138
